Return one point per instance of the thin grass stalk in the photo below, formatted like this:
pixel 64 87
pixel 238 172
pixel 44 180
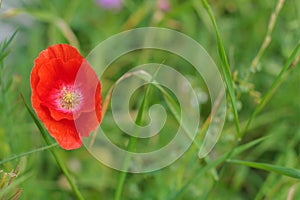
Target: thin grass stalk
pixel 225 68
pixel 132 143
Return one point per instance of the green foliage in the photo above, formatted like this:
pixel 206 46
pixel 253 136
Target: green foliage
pixel 256 47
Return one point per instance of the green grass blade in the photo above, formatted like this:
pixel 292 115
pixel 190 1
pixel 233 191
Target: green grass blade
pixel 225 67
pixel 175 109
pixel 291 172
pixel 3 46
pixel 6 42
pixel 27 153
pixel 274 86
pixel 248 145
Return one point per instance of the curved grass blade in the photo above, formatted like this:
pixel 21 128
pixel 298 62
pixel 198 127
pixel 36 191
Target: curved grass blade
pixel 225 67
pixel 291 172
pixel 27 153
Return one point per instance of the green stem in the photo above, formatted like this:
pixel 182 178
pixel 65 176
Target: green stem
pixel 131 145
pixel 275 84
pixel 66 173
pixel 54 153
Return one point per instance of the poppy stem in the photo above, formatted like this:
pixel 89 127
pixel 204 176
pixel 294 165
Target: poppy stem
pixel 66 173
pixel 55 154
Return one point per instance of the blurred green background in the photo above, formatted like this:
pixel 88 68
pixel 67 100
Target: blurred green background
pixel 243 25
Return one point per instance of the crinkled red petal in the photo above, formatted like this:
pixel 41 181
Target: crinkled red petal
pixel 64 131
pixel 88 121
pixel 57 65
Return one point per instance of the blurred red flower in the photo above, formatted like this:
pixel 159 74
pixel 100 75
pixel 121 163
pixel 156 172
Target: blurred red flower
pixel 66 94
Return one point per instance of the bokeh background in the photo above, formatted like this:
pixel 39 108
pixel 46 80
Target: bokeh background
pixel 243 25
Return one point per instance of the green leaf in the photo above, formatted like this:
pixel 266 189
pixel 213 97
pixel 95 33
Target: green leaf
pixel 291 172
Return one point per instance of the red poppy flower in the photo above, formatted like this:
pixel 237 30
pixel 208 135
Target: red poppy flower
pixel 66 94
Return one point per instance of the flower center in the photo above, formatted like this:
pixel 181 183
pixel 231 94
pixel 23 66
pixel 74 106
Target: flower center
pixel 69 99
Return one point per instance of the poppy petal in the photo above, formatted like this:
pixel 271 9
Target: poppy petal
pixel 66 95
